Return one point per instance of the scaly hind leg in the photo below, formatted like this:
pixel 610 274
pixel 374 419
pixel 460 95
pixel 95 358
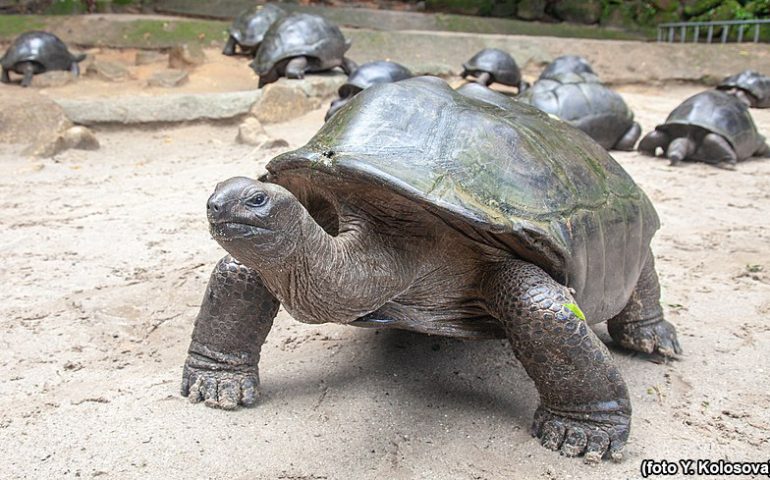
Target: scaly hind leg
pixel 5 77
pixel 650 143
pixel 296 67
pixel 679 149
pixel 584 405
pixel 640 325
pixel 237 312
pixel 29 71
pixel 714 149
pixel 628 140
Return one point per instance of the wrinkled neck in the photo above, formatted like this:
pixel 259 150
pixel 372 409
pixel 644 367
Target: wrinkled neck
pixel 338 278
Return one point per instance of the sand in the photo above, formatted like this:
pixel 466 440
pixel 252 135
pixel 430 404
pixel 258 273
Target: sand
pixel 104 257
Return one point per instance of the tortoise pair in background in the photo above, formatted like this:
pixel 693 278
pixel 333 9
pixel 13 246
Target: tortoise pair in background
pixel 581 100
pixel 492 65
pixel 711 127
pixel 751 87
pixel 416 207
pixel 32 53
pixel 249 28
pixel 300 43
pixel 365 76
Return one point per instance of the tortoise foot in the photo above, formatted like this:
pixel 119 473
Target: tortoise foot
pixel 595 435
pixel 658 337
pixel 217 386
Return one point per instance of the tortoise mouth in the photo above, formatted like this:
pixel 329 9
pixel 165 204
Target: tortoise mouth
pixel 229 230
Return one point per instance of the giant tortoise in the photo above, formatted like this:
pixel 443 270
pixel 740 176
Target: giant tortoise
pixel 711 127
pixel 492 65
pixel 418 208
pixel 300 43
pixel 37 52
pixel 365 76
pixel 585 103
pixel 751 87
pixel 566 64
pixel 249 27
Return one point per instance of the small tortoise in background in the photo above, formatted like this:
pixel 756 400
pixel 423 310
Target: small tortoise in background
pixel 751 87
pixel 585 103
pixel 300 43
pixel 418 208
pixel 32 53
pixel 365 76
pixel 494 65
pixel 249 27
pixel 566 64
pixel 711 127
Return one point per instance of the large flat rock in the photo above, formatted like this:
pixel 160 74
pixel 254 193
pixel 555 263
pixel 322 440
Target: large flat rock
pixel 185 107
pixel 159 108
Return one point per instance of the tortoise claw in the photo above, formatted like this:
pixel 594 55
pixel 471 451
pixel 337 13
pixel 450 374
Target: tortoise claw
pixel 219 388
pixel 594 435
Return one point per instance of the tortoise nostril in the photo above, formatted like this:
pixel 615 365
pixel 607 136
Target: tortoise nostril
pixel 213 205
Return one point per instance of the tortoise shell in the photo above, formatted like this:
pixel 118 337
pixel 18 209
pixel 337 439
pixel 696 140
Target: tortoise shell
pixel 512 177
pixel 585 103
pixel 44 49
pixel 718 112
pixel 301 35
pixel 756 84
pixel 496 62
pixel 250 26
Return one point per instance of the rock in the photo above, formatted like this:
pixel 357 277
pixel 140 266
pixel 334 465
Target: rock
pixel 160 108
pixel 168 78
pixel 81 138
pixel 55 78
pixel 578 11
pixel 433 69
pixel 75 137
pixel 187 55
pixel 27 117
pixel 321 85
pixel 108 71
pixel 146 57
pixel 281 102
pixel 531 9
pixel 250 132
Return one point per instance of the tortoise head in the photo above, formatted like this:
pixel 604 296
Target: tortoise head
pixel 258 223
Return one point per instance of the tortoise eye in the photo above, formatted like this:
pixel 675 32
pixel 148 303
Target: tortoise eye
pixel 257 200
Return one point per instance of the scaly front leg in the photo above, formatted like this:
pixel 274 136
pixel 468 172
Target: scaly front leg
pixel 584 405
pixel 235 317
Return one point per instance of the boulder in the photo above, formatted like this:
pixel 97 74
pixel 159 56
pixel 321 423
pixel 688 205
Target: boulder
pixel 186 55
pixel 146 57
pixel 280 102
pixel 251 132
pixel 77 137
pixel 578 11
pixel 27 117
pixel 55 78
pixel 168 78
pixel 108 71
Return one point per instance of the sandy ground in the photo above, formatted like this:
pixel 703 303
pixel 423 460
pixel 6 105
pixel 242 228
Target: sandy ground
pixel 104 257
